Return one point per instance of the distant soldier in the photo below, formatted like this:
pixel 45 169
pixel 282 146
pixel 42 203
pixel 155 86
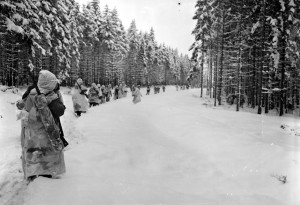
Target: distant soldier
pixel 116 92
pixel 148 90
pixel 100 93
pixel 79 98
pixel 94 95
pixel 103 91
pixel 136 95
pixel 109 92
pixel 125 90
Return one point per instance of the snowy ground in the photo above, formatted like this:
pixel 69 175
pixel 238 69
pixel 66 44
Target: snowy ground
pixel 172 148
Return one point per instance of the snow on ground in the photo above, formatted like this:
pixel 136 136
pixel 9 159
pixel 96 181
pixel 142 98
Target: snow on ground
pixel 11 176
pixel 172 148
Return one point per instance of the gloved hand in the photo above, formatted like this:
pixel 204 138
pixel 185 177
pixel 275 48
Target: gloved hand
pixel 20 104
pixel 41 101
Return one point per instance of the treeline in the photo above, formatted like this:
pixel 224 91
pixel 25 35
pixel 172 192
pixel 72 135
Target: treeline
pixel 89 43
pixel 251 50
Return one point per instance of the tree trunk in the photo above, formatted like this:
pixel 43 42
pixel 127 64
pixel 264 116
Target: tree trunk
pixel 210 69
pixel 238 96
pixel 221 60
pixel 253 78
pixel 202 64
pixel 262 61
pixel 282 59
pixel 216 71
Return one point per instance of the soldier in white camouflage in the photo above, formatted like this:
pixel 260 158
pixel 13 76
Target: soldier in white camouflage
pixel 42 155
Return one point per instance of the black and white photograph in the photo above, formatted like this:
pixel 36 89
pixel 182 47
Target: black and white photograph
pixel 149 102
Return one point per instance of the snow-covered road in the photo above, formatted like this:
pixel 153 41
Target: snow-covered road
pixel 173 148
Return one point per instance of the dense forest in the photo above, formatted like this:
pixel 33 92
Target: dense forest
pixel 247 52
pixel 88 42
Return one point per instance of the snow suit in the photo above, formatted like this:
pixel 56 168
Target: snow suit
pixel 116 93
pixel 109 93
pixel 94 95
pixel 136 96
pixel 80 102
pixel 121 91
pixel 38 155
pixel 103 94
pixel 100 93
pixel 125 91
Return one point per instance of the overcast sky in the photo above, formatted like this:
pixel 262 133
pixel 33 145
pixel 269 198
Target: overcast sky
pixel 172 23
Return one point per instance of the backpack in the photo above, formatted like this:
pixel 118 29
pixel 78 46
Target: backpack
pixel 57 108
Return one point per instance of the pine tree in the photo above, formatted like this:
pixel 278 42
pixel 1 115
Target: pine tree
pixel 74 42
pixel 132 54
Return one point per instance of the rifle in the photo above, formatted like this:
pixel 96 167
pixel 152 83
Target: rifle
pixel 81 92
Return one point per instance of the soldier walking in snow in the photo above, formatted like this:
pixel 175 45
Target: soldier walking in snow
pixel 79 98
pixel 125 91
pixel 136 95
pixel 116 92
pixel 39 157
pixel 103 99
pixel 100 93
pixel 148 90
pixel 94 95
pixel 105 94
pixel 155 89
pixel 108 92
pixel 121 91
